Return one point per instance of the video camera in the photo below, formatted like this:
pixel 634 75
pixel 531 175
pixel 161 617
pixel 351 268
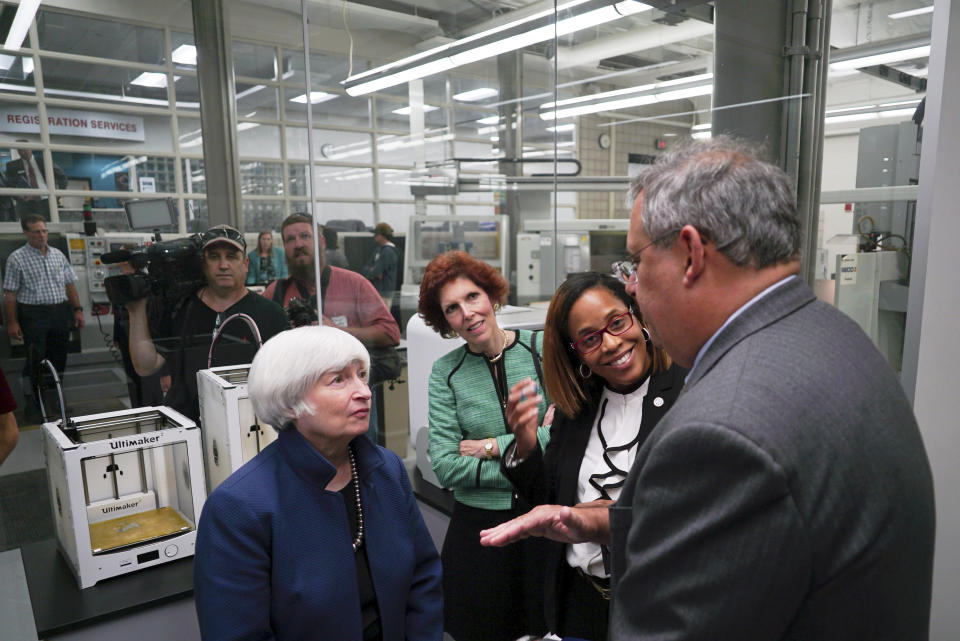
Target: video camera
pixel 172 269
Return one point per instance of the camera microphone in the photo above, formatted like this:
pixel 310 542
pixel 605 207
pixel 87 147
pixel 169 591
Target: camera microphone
pixel 117 256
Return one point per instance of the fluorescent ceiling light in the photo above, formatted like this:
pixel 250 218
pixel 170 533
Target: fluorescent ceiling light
pixel 475 95
pixel 883 58
pixel 315 97
pixel 702 126
pixel 21 24
pixel 606 95
pixel 185 55
pixel 489 120
pixel 912 101
pixel 872 107
pixel 910 13
pixel 703 86
pixel 869 115
pixel 561 128
pixel 483 131
pixel 405 111
pixel 538 27
pixel 153 79
pixel 701 135
pixel 243 126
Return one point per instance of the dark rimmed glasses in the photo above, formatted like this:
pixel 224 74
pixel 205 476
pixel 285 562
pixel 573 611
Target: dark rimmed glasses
pixel 592 341
pixel 626 270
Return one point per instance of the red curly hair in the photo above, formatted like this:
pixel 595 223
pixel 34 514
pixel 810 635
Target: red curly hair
pixel 448 267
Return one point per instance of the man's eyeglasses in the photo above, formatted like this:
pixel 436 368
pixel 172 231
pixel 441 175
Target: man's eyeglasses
pixel 592 341
pixel 626 270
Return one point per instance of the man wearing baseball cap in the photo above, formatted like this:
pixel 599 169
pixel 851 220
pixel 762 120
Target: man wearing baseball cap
pixel 184 337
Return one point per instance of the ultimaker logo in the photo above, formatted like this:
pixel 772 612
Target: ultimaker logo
pixel 119 508
pixel 133 442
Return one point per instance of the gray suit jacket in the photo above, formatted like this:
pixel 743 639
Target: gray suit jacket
pixel 786 495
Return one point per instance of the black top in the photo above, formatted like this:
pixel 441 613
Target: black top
pixel 184 341
pixel 369 613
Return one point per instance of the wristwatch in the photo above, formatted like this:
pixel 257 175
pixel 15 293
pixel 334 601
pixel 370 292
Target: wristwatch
pixel 488 449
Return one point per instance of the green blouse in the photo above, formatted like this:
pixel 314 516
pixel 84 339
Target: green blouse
pixel 464 405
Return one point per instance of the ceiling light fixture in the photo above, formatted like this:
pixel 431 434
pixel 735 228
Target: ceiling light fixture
pixel 869 115
pixel 538 27
pixel 185 55
pixel 21 24
pixel 912 12
pixel 699 85
pixel 153 79
pixel 475 95
pixel 883 58
pixel 880 52
pixel 315 97
pixel 405 111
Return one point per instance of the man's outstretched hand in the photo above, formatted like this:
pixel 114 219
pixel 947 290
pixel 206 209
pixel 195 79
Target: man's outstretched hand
pixel 587 522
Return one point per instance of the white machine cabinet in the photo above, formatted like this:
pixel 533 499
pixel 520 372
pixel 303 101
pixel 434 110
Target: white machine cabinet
pixel 232 434
pixel 126 490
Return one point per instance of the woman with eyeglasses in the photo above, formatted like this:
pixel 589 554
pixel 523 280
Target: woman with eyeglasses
pixel 610 386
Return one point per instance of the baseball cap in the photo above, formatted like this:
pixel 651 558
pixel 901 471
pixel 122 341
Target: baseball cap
pixel 224 234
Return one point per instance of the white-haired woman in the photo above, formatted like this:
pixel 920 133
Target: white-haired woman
pixel 319 536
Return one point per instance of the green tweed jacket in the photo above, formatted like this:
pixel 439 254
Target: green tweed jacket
pixel 464 405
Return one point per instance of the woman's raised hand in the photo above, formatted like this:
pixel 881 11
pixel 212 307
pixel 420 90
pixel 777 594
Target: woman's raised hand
pixel 522 415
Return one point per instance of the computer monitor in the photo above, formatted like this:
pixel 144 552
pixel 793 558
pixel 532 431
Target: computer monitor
pixel 151 213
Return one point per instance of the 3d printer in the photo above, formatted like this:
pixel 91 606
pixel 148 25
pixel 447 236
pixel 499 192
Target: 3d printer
pixel 126 489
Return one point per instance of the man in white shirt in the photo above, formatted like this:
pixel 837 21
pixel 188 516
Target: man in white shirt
pixel 41 303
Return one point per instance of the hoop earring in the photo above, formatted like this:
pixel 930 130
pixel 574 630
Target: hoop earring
pixel 496 307
pixel 582 375
pixel 646 334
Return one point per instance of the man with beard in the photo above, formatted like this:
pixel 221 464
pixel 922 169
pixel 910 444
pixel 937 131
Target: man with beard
pixel 349 301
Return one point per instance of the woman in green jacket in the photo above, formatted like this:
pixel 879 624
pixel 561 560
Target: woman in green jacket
pixel 490 594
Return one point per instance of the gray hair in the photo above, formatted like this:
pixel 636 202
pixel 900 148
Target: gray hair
pixel 722 187
pixel 637 184
pixel 291 363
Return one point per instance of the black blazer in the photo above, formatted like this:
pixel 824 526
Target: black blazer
pixel 550 477
pixel 15 174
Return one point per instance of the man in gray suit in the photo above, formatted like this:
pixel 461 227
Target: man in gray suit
pixel 787 494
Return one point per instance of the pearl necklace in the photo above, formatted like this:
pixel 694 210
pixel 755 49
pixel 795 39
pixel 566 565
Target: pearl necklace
pixel 358 540
pixel 502 348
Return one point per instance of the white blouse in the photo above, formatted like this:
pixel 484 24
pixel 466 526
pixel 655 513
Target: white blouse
pixel 619 420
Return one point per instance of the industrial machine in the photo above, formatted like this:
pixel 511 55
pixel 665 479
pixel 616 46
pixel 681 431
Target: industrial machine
pixel 232 433
pixel 126 489
pixel 549 251
pixel 872 281
pixel 484 237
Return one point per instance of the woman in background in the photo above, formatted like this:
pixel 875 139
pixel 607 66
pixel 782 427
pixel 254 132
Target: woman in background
pixel 267 263
pixel 610 386
pixel 490 594
pixel 319 535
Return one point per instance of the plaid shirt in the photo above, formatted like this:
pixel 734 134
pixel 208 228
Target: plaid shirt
pixel 38 279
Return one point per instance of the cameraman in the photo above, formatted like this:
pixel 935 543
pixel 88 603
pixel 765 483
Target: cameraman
pixel 190 329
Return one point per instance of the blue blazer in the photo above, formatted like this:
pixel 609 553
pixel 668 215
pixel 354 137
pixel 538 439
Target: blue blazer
pixel 279 265
pixel 274 557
